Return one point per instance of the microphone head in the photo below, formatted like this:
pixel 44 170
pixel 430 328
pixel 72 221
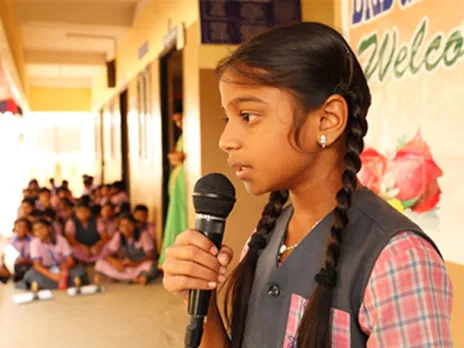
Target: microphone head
pixel 214 195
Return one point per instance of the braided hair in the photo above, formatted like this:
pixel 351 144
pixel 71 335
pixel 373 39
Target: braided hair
pixel 238 292
pixel 312 62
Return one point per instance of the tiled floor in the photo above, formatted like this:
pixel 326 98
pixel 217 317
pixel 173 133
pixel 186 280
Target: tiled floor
pixel 125 316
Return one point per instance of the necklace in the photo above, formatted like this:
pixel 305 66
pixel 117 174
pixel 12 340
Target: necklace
pixel 284 248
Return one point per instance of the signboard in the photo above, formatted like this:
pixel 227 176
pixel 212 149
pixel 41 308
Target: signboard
pixel 235 21
pixel 412 52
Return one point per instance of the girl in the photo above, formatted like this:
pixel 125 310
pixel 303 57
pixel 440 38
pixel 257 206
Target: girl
pixel 52 259
pixel 129 256
pixel 176 220
pixel 118 194
pixel 21 242
pixel 44 199
pixel 85 234
pixel 26 207
pixel 339 266
pixel 108 220
pixel 141 215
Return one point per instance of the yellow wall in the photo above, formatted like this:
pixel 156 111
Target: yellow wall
pixel 14 36
pixel 59 99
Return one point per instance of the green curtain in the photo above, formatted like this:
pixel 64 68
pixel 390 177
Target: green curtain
pixel 176 221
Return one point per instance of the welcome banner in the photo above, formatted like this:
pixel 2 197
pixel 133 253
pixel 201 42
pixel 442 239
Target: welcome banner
pixel 412 52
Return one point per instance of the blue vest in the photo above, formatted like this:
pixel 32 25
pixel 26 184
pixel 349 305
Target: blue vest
pixel 372 223
pixel 87 236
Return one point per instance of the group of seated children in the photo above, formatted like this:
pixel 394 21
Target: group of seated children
pixel 56 236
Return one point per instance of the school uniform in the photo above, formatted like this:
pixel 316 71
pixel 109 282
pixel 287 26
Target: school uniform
pixel 51 256
pixel 110 226
pixel 134 250
pixel 23 247
pixel 118 199
pixel 88 234
pixel 382 295
pixel 150 228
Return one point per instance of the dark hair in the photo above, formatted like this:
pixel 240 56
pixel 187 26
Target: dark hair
pixel 37 213
pixel 141 207
pixel 65 182
pixel 125 207
pixel 85 199
pixel 119 185
pixel 50 213
pixel 23 219
pixel 48 224
pixel 108 204
pixel 67 202
pixel 312 62
pixel 96 210
pixel 62 189
pixel 45 190
pixel 29 200
pixel 82 203
pixel 137 232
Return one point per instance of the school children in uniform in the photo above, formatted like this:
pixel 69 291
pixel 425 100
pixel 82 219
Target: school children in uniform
pixel 86 235
pixel 26 207
pixel 129 256
pixel 338 267
pixel 118 195
pixel 51 258
pixel 141 215
pixel 108 219
pixel 65 210
pixel 21 242
pixel 44 201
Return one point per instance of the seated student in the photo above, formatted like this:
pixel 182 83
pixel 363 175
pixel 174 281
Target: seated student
pixel 105 194
pixel 129 256
pixel 118 195
pixel 51 215
pixel 108 220
pixel 85 234
pixel 26 207
pixel 65 210
pixel 44 201
pixel 51 259
pixel 21 242
pixel 141 215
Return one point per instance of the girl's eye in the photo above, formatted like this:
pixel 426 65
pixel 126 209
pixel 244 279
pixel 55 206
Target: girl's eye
pixel 248 117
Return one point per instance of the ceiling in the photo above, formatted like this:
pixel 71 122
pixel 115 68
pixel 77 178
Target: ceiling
pixel 67 42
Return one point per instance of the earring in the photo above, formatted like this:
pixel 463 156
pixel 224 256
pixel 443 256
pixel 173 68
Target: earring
pixel 323 141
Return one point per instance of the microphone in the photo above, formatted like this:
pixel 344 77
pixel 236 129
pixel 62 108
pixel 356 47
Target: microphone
pixel 213 199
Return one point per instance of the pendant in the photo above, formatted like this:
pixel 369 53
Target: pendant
pixel 282 249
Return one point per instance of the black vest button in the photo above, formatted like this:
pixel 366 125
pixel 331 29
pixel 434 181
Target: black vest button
pixel 273 291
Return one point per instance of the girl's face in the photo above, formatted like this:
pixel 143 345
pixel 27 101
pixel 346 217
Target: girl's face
pixel 259 136
pixel 141 216
pixel 127 228
pixel 42 231
pixel 26 208
pixel 106 212
pixel 44 198
pixel 83 214
pixel 21 230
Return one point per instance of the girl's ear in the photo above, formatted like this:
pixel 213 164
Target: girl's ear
pixel 333 118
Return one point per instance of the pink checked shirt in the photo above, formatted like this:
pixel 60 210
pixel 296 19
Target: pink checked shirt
pixel 407 302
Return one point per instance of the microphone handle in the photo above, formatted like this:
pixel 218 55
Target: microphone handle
pixel 198 302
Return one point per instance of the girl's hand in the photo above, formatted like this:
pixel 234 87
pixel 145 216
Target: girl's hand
pixel 85 249
pixel 194 262
pixel 119 265
pixel 56 276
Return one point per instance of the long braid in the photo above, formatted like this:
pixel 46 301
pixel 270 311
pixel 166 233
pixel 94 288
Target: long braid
pixel 239 285
pixel 314 330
